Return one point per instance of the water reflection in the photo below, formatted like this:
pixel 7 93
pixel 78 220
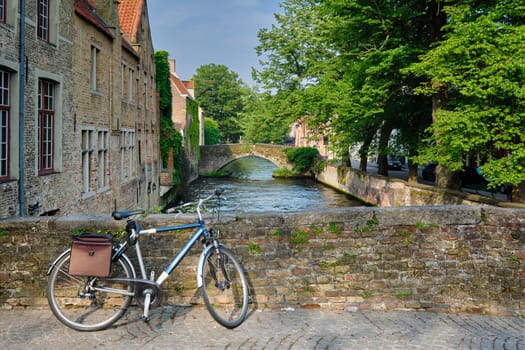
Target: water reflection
pixel 251 187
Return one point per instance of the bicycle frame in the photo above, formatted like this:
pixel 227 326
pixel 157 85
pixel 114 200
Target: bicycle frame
pixel 200 232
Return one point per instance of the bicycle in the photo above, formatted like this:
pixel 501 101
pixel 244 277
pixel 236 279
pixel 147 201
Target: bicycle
pixel 89 303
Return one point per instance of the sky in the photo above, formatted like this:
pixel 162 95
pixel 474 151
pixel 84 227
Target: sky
pixel 199 32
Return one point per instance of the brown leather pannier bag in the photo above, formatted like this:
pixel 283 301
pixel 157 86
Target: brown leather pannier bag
pixel 91 255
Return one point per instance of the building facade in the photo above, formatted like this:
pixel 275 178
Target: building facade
pixel 188 119
pixel 78 104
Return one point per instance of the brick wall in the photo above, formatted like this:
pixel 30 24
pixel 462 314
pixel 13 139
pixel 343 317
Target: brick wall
pixel 448 258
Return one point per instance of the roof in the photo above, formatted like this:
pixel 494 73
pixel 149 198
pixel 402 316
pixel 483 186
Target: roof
pixel 86 10
pixel 130 12
pixel 179 85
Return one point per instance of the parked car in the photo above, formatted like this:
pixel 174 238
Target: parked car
pixel 394 164
pixel 470 177
pixel 429 172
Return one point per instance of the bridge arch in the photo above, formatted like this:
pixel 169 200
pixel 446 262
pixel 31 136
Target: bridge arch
pixel 214 157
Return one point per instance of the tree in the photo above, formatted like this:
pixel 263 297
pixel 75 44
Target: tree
pixel 264 121
pixel 219 91
pixel 341 62
pixel 479 65
pixel 212 135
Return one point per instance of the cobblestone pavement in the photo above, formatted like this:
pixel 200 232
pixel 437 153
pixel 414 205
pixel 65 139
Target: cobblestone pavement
pixel 178 327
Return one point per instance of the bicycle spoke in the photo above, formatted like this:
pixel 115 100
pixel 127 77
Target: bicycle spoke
pixel 83 303
pixel 225 289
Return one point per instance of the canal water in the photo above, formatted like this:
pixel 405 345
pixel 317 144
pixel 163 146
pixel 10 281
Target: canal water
pixel 251 188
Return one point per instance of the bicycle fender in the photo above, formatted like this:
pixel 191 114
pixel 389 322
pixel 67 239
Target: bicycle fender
pixel 53 264
pixel 200 266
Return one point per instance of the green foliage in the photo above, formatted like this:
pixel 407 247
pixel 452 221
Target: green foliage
pixel 163 83
pixel 370 226
pixel 171 139
pixel 333 228
pixel 282 172
pixel 157 209
pixel 340 63
pixel 219 92
pixel 299 237
pixel 217 173
pixel 254 248
pixel 193 131
pixel 263 120
pixel 278 233
pixel 212 134
pixel 402 295
pixel 479 66
pixel 301 157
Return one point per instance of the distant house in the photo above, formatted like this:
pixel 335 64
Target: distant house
pixel 305 136
pixel 185 112
pixel 82 135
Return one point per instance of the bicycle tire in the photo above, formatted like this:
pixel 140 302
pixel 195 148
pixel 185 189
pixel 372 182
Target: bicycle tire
pixel 225 295
pixel 78 307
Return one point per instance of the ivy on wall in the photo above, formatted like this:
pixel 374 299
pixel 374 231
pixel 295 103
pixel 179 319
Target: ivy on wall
pixel 193 131
pixel 171 139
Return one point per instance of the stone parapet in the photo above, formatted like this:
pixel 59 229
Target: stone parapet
pixel 440 258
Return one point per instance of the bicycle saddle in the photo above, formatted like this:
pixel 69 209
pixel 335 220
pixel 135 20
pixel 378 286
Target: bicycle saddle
pixel 122 214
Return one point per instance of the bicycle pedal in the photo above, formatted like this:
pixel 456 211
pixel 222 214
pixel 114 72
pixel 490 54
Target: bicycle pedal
pixel 145 319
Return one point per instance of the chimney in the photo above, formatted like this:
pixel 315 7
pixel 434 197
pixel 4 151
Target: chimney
pixel 172 65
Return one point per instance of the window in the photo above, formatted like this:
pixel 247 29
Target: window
pixel 130 85
pixel 145 91
pixel 46 125
pixel 102 158
pixel 127 150
pixel 2 11
pixel 94 67
pixel 88 150
pixel 5 108
pixel 43 20
pixel 122 79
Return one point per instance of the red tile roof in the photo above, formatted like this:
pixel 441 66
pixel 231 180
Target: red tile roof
pixel 85 9
pixel 129 12
pixel 179 85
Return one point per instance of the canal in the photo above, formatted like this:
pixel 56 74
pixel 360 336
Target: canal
pixel 251 188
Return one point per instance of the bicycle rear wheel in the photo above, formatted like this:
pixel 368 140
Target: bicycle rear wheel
pixel 224 287
pixel 82 303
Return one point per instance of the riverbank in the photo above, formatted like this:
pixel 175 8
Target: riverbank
pixel 395 191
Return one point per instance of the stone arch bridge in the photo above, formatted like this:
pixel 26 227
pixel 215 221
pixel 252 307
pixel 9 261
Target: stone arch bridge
pixel 215 157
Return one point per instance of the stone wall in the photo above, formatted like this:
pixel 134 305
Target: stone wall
pixel 442 258
pixel 389 192
pixel 214 157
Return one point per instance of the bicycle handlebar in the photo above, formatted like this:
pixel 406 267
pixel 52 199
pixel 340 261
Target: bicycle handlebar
pixel 197 203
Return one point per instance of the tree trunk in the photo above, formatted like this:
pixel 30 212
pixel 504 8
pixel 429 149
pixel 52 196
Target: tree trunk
pixel 518 193
pixel 382 159
pixel 412 172
pixel 363 153
pixel 347 161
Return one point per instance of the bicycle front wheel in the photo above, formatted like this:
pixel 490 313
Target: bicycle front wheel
pixel 89 303
pixel 224 287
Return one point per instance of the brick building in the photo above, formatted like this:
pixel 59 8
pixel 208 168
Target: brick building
pixel 78 116
pixel 183 102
